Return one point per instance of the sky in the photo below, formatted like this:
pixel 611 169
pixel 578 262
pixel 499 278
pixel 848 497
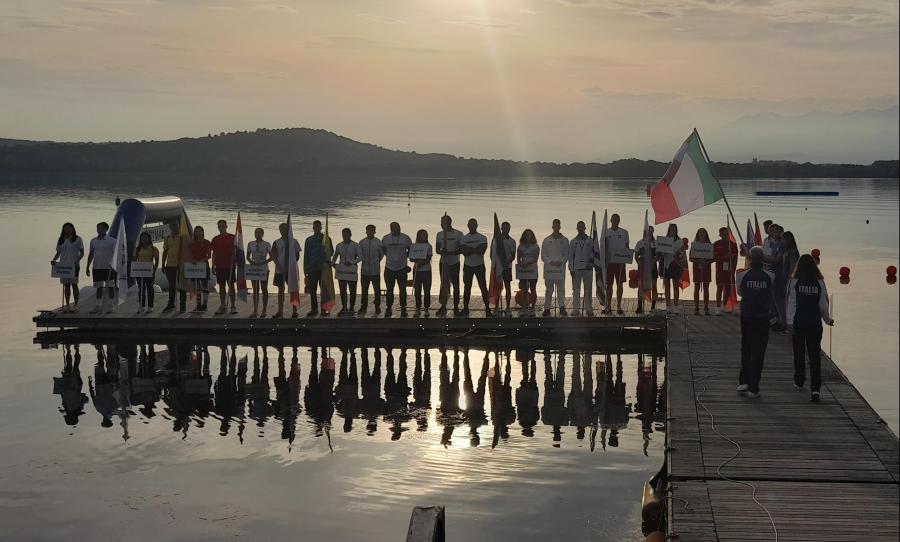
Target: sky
pixel 558 80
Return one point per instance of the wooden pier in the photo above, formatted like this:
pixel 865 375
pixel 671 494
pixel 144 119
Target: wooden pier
pixel 824 471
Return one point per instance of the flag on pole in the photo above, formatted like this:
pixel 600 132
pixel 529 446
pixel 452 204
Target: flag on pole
pixel 731 291
pixel 327 279
pixel 647 258
pixel 184 238
pixel 599 245
pixel 750 243
pixel 290 265
pixel 444 291
pixel 498 264
pixel 240 261
pixel 685 274
pixel 120 263
pixel 757 235
pixel 687 185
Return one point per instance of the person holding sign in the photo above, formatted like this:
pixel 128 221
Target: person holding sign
pixel 101 254
pixel 673 264
pixel 526 260
pixel 69 252
pixel 616 238
pixel 171 261
pixel 223 266
pixel 447 244
pixel 473 246
pixel 509 250
pixel 420 254
pixel 581 263
pixel 145 253
pixel 344 260
pixel 725 254
pixel 370 253
pixel 280 252
pixel 701 258
pixel 554 252
pixel 646 259
pixel 259 254
pixel 396 255
pixel 200 250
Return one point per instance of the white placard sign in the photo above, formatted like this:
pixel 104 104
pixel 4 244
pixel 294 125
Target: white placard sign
pixel 554 273
pixel 621 255
pixel 59 271
pixel 666 245
pixel 195 270
pixel 702 251
pixel 256 272
pixel 345 273
pixel 418 251
pixel 141 270
pixel 526 273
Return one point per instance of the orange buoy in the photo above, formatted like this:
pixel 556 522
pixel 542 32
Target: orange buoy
pixel 844 271
pixel 891 271
pixel 633 274
pixel 815 253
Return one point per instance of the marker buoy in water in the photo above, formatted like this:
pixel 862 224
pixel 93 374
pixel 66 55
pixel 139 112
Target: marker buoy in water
pixel 815 253
pixel 633 274
pixel 844 272
pixel 891 271
pixel 633 283
pixel 891 279
pixel 845 279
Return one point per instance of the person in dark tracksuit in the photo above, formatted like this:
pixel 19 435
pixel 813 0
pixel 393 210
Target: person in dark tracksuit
pixel 807 307
pixel 755 286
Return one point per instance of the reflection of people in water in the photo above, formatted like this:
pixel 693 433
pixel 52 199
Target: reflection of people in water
pixel 613 410
pixel 103 385
pixel 69 385
pixel 240 396
pixel 372 405
pixel 258 390
pixel 578 409
pixel 143 384
pixel 474 412
pixel 348 389
pixel 422 388
pixel 396 393
pixel 448 413
pixel 645 403
pixel 225 390
pixel 319 394
pixel 502 411
pixel 287 395
pixel 527 393
pixel 554 411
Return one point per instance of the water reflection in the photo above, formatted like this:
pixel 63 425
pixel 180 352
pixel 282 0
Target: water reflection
pixel 372 391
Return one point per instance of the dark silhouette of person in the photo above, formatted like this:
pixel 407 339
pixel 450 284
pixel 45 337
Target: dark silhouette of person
pixel 144 391
pixel 319 393
pixel 448 413
pixel 503 413
pixel 578 413
pixel 372 405
pixel 645 402
pixel 103 385
pixel 554 412
pixel 396 393
pixel 225 391
pixel 615 411
pixel 474 412
pixel 348 404
pixel 69 385
pixel 240 396
pixel 422 388
pixel 258 391
pixel 527 394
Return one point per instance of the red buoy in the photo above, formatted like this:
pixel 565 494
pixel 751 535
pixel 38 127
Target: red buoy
pixel 633 283
pixel 891 271
pixel 633 274
pixel 815 253
pixel 844 271
pixel 685 241
pixel 891 279
pixel 845 279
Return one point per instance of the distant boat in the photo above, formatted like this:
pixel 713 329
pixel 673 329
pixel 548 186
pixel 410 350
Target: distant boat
pixel 797 193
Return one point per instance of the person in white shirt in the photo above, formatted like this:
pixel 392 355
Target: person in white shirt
pixel 370 254
pixel 509 253
pixel 422 274
pixel 69 251
pixel 581 263
pixel 527 258
pixel 279 256
pixel 447 244
pixel 616 238
pixel 554 252
pixel 473 247
pixel 396 255
pixel 100 255
pixel 345 259
pixel 259 252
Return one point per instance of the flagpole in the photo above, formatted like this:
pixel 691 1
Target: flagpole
pixel 708 161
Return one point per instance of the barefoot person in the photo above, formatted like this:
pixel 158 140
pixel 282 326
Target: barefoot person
pixel 145 252
pixel 755 286
pixel 223 266
pixel 725 254
pixel 645 256
pixel 554 251
pixel 171 262
pixel 581 267
pixel 807 308
pixel 69 252
pixel 473 247
pixel 447 244
pixel 199 250
pixel 702 270
pixel 422 274
pixel 616 238
pixel 100 255
pixel 279 256
pixel 346 257
pixel 396 268
pixel 527 257
pixel 509 250
pixel 259 252
pixel 673 267
pixel 370 254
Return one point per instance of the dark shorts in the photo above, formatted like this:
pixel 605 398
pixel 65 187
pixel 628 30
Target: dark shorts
pixel 104 275
pixel 673 272
pixel 278 280
pixel 702 272
pixel 225 275
pixel 615 272
pixel 724 277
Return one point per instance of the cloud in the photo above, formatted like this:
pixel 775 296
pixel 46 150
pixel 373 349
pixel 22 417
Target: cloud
pixel 276 8
pixel 527 11
pixel 481 22
pixel 365 44
pixel 658 14
pixel 380 18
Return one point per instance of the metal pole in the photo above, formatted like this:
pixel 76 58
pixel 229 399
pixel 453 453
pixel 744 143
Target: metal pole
pixel 703 148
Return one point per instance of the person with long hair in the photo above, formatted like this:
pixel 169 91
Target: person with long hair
pixel 673 266
pixel 422 275
pixel 171 262
pixel 527 257
pixel 146 252
pixel 790 255
pixel 259 252
pixel 69 251
pixel 646 262
pixel 702 271
pixel 725 254
pixel 807 308
pixel 200 250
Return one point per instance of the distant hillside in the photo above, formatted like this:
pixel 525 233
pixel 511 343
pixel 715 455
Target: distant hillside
pixel 303 152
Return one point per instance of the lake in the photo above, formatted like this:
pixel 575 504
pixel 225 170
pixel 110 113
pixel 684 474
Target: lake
pixel 233 458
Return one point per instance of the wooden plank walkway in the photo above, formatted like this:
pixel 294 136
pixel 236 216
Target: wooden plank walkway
pixel 825 471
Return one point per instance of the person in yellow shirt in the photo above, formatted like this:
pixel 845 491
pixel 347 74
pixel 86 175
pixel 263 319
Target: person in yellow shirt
pixel 171 261
pixel 146 252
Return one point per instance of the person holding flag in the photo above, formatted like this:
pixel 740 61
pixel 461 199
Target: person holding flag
pixel 580 258
pixel 121 259
pixel 286 254
pixel 673 266
pixel 725 254
pixel 598 244
pixel 503 252
pixel 313 258
pixel 327 278
pixel 223 255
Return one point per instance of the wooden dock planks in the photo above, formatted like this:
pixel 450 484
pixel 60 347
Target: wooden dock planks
pixel 826 471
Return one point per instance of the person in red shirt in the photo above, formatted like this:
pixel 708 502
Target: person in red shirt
pixel 199 249
pixel 725 255
pixel 223 265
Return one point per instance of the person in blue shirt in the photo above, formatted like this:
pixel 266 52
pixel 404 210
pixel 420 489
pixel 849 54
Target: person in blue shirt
pixel 807 307
pixel 314 257
pixel 755 286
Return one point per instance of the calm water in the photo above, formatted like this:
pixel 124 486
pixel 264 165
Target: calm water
pixel 235 463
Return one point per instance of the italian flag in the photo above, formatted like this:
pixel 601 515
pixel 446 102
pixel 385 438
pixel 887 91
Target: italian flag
pixel 687 185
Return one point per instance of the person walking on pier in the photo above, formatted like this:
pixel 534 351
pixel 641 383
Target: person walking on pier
pixel 280 252
pixel 581 263
pixel 145 252
pixel 422 274
pixel 725 254
pixel 199 249
pixel 702 271
pixel 755 286
pixel 807 308
pixel 370 254
pixel 396 269
pixel 259 252
pixel 313 258
pixel 554 252
pixel 509 251
pixel 447 244
pixel 616 238
pixel 223 266
pixel 527 258
pixel 173 252
pixel 100 255
pixel 345 260
pixel 69 252
pixel 473 247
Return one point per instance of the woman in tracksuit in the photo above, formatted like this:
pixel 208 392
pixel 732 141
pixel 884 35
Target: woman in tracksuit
pixel 807 307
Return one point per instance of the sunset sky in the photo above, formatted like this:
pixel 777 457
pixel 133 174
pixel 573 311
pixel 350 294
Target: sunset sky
pixel 536 79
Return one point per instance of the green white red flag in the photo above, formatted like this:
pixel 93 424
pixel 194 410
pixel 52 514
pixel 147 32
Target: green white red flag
pixel 687 185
